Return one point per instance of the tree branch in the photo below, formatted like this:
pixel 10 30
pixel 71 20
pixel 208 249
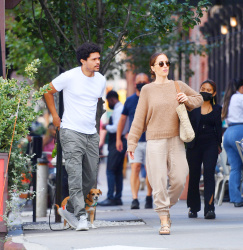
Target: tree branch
pixel 48 13
pixel 100 24
pixel 33 10
pixel 49 51
pixel 86 20
pixel 55 37
pixel 118 42
pixel 90 17
pixel 135 38
pixel 75 24
pixel 110 31
pixel 42 37
pixel 111 17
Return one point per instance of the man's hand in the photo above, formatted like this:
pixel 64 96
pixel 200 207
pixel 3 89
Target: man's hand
pixel 119 145
pixel 131 154
pixel 57 121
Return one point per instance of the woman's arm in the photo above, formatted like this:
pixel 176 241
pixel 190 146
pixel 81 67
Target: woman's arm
pixel 195 100
pixel 218 125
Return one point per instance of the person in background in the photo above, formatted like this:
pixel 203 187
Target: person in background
pixel 165 152
pixel 103 133
pixel 232 112
pixel 204 149
pixel 115 158
pixel 140 152
pixel 49 144
pixel 144 179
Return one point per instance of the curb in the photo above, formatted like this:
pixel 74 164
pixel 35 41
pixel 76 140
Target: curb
pixel 9 244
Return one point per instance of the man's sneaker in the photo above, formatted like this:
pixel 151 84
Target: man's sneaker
pixel 135 204
pixel 148 202
pixel 69 217
pixel 82 224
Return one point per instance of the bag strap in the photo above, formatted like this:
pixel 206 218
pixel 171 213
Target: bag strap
pixel 178 90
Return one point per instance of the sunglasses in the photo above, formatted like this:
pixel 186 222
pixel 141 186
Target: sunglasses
pixel 161 64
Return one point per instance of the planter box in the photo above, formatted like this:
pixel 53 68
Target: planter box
pixel 3 173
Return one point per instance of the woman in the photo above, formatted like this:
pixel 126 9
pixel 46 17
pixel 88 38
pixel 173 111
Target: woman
pixel 165 153
pixel 233 113
pixel 207 125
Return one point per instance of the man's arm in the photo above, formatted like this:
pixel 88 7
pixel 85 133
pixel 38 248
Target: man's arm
pixel 51 105
pixel 120 127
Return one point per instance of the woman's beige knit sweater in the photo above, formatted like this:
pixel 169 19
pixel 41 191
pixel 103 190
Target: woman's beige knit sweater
pixel 156 111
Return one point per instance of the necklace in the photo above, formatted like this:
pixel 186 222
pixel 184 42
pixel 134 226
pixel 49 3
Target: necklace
pixel 204 109
pixel 209 109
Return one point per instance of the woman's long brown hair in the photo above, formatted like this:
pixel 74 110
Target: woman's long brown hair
pixel 152 62
pixel 232 87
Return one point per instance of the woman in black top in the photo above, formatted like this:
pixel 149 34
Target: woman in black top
pixel 206 122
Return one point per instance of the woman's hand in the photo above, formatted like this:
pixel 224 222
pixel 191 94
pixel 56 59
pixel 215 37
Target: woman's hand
pixel 181 97
pixel 131 154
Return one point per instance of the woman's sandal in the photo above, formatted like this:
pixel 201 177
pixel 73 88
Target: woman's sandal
pixel 169 220
pixel 165 229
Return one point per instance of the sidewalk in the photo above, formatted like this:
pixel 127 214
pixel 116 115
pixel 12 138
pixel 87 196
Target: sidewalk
pixel 121 228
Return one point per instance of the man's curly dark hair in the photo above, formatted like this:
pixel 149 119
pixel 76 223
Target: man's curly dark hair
pixel 84 51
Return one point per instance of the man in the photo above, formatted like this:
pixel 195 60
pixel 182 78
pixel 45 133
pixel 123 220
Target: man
pixel 140 152
pixel 115 158
pixel 82 87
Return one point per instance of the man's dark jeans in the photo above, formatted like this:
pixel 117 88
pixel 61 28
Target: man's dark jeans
pixel 114 170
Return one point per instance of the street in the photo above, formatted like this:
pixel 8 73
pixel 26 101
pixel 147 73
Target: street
pixel 123 228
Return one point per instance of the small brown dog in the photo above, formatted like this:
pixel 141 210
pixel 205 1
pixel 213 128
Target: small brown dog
pixel 90 204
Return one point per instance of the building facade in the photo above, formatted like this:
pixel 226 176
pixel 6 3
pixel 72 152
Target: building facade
pixel 222 29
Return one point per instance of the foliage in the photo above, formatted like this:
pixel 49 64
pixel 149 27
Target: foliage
pixel 23 47
pixel 18 170
pixel 14 206
pixel 18 99
pixel 114 25
pixel 174 45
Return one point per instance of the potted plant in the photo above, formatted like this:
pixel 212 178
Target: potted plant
pixel 17 98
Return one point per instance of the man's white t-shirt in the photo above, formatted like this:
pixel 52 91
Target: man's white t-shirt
pixel 80 96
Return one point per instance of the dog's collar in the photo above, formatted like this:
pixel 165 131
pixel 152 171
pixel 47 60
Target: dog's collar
pixel 86 204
